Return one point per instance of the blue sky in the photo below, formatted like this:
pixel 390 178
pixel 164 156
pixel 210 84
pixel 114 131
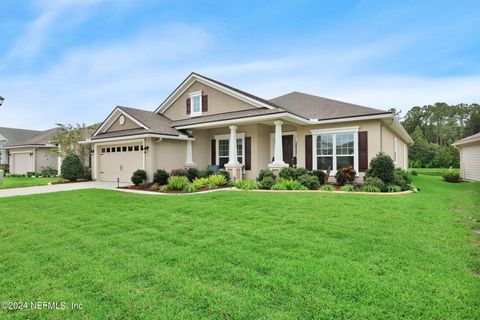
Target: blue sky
pixel 73 61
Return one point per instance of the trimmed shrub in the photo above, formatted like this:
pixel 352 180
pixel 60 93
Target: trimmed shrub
pixel 382 167
pixel 247 184
pixel 404 174
pixel 291 173
pixel 160 176
pixel 320 176
pixel 192 173
pixel 393 188
pixel 225 174
pixel 348 188
pixel 5 168
pixel 179 172
pixel 327 187
pixel 177 182
pixel 31 173
pixel 374 182
pixel 48 172
pixel 267 183
pixel 200 183
pixel 370 188
pixel 189 188
pixel 216 180
pixel 72 168
pixel 205 173
pixel 138 177
pixel 399 181
pixel 451 176
pixel 309 181
pixel 339 177
pixel 414 173
pixel 266 173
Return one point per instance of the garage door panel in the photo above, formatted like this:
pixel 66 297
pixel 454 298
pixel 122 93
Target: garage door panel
pixel 119 164
pixel 22 163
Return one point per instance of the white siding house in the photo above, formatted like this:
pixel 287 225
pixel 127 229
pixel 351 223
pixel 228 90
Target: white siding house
pixel 469 149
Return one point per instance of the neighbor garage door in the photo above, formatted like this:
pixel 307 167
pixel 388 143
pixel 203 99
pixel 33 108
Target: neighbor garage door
pixel 22 163
pixel 120 161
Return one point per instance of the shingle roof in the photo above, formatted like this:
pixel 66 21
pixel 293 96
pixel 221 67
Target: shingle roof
pixel 14 135
pixel 468 139
pixel 156 123
pixel 42 138
pixel 227 116
pixel 314 107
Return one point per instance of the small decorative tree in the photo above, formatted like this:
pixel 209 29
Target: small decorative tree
pixel 67 140
pixel 72 168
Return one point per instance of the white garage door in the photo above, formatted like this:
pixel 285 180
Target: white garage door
pixel 22 163
pixel 470 165
pixel 120 161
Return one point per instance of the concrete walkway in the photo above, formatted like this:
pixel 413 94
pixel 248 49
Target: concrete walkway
pixel 58 187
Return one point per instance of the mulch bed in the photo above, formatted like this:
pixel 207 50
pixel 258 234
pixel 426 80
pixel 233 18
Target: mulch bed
pixel 147 187
pixel 67 182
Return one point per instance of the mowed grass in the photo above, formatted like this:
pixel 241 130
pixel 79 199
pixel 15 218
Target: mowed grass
pixel 19 182
pixel 433 171
pixel 245 255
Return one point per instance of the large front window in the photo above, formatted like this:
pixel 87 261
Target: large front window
pixel 335 151
pixel 223 149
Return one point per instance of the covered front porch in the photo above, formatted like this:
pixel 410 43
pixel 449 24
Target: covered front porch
pixel 269 144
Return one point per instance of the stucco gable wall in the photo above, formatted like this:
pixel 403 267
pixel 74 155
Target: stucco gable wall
pixel 218 102
pixel 129 124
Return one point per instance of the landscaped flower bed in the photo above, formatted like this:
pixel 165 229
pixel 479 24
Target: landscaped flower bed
pixel 382 177
pixel 181 181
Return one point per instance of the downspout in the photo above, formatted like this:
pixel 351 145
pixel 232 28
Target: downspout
pixel 381 137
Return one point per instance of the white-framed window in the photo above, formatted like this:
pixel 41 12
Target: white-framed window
pixel 335 148
pixel 195 104
pixel 223 149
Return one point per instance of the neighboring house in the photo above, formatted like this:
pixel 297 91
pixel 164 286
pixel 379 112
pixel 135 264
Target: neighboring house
pixel 32 154
pixel 199 122
pixel 469 149
pixel 12 136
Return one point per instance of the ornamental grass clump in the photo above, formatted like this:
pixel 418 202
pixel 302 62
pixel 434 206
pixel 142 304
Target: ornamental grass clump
pixel 247 184
pixel 288 184
pixel 216 180
pixel 200 183
pixel 327 187
pixel 177 183
pixel 451 176
pixel 348 188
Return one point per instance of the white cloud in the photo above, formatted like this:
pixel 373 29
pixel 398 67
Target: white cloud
pixel 50 17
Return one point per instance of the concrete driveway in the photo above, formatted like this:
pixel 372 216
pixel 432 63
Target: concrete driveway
pixel 58 187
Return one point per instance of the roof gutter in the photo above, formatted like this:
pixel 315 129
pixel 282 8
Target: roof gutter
pixel 30 146
pixel 148 135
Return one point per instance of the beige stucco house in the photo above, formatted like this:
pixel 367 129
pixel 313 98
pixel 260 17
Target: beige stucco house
pixel 469 149
pixel 200 121
pixel 32 154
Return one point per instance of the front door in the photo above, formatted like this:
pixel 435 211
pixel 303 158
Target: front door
pixel 287 146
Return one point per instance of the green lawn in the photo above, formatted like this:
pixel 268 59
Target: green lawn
pixel 245 255
pixel 18 182
pixel 432 171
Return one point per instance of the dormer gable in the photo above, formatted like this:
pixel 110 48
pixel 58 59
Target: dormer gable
pixel 199 96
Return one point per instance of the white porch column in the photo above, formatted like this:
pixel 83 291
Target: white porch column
pixel 278 148
pixel 59 161
pixel 233 167
pixel 233 157
pixel 189 159
pixel 278 162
